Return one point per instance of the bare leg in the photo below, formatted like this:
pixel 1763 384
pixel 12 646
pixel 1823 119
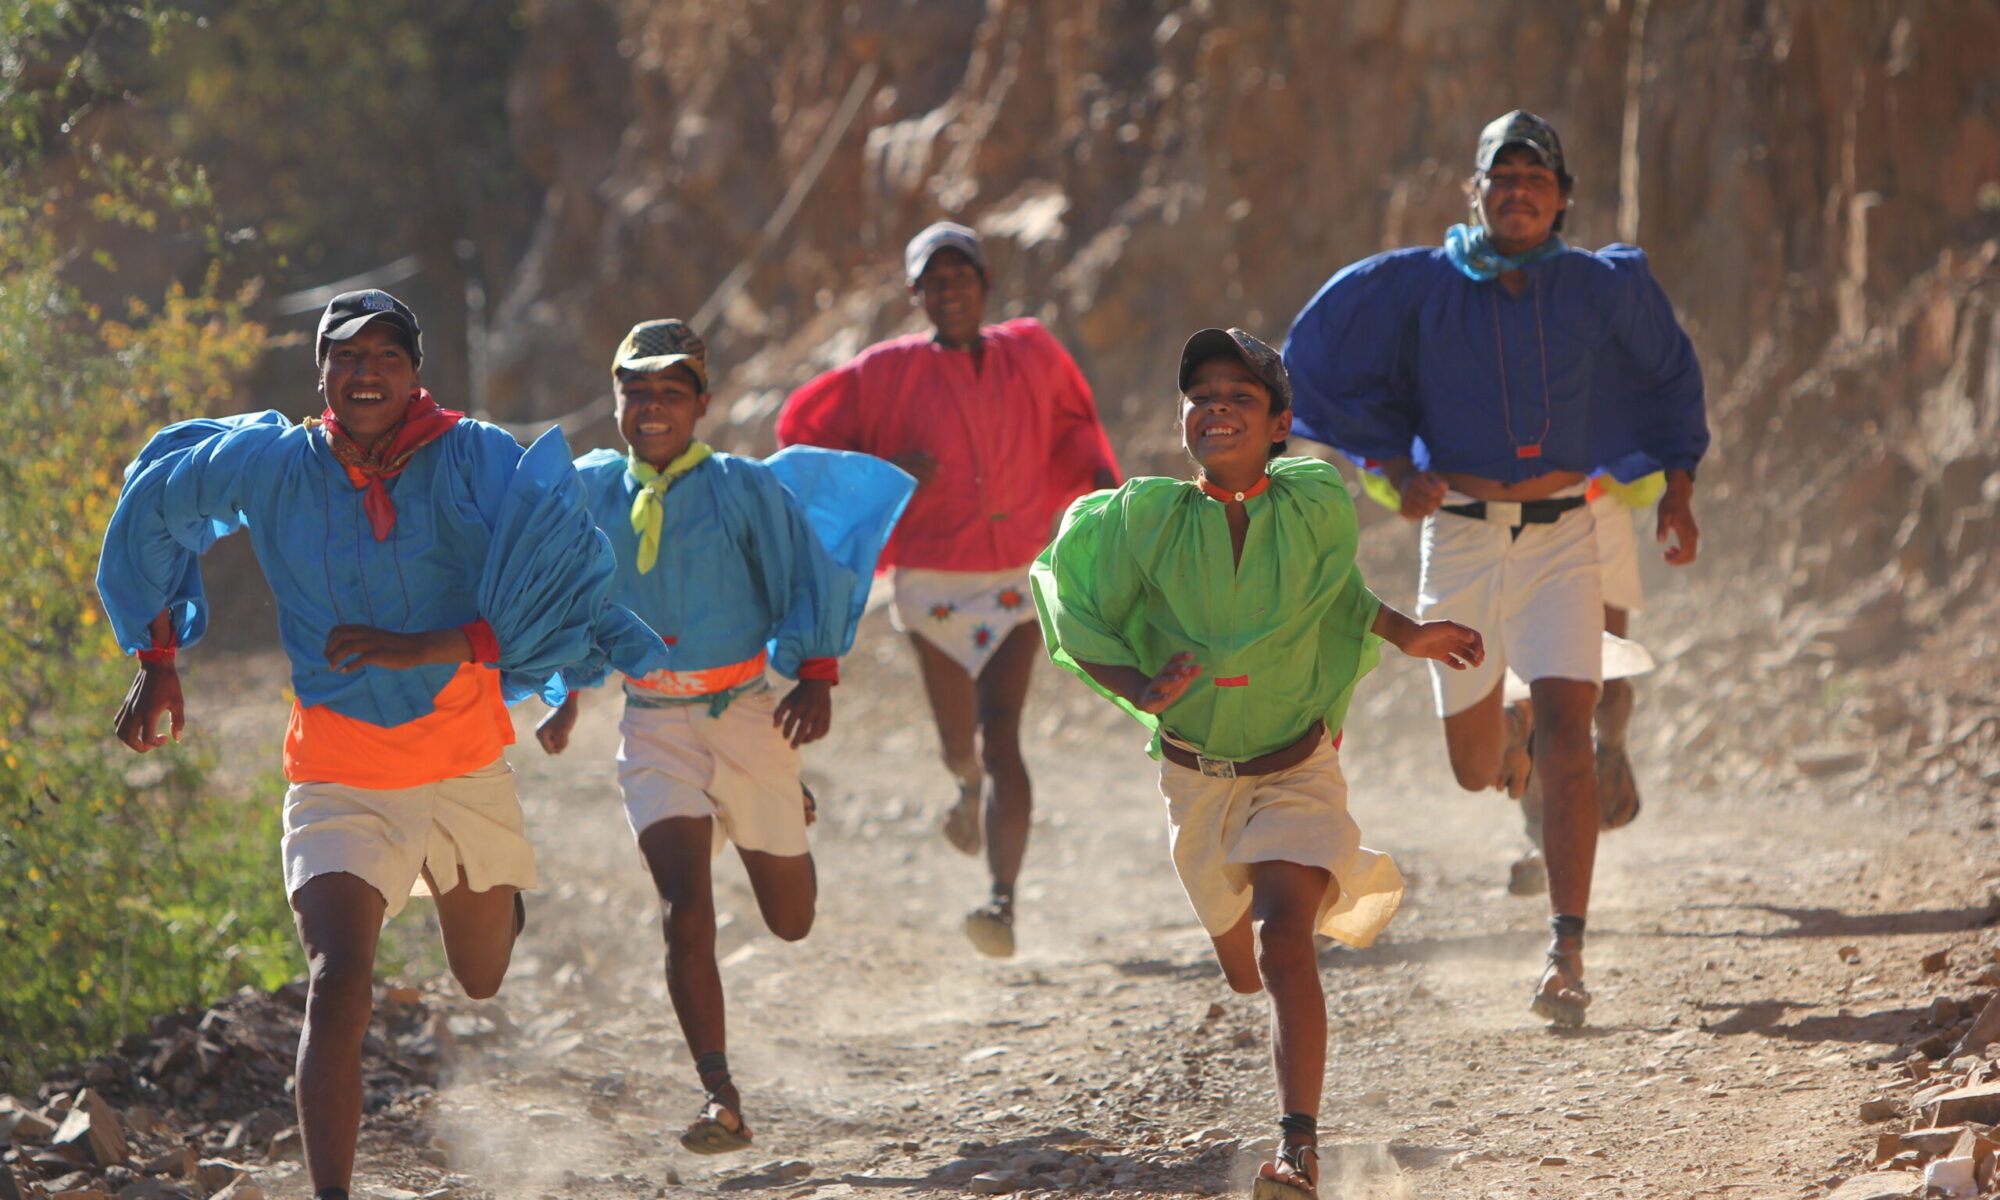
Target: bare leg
pixel 787 890
pixel 676 850
pixel 1566 766
pixel 955 708
pixel 1002 690
pixel 478 931
pixel 1237 952
pixel 1284 906
pixel 1614 707
pixel 1476 740
pixel 339 918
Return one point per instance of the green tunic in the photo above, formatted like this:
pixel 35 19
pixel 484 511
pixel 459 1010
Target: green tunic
pixel 1139 574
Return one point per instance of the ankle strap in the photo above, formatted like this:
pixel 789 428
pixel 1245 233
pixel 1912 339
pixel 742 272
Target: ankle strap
pixel 1566 928
pixel 1301 1125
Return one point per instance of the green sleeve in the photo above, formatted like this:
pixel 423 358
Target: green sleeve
pixel 1086 592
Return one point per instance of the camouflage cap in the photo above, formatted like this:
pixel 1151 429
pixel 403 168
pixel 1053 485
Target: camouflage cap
pixel 1263 362
pixel 1520 128
pixel 654 346
pixel 943 235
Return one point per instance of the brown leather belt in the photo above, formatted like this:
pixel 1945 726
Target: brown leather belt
pixel 1263 764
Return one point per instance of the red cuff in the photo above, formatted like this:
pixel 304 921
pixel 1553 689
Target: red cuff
pixel 485 646
pixel 820 668
pixel 161 655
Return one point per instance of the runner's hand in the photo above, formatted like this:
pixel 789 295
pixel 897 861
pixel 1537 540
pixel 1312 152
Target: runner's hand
pixel 155 692
pixel 1456 646
pixel 1423 492
pixel 920 466
pixel 352 647
pixel 554 729
pixel 1169 685
pixel 1676 520
pixel 806 713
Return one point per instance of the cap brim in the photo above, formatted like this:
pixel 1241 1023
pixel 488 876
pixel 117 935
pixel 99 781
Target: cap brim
pixel 1207 344
pixel 661 362
pixel 352 325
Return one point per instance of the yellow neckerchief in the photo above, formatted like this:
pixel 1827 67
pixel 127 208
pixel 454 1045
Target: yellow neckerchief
pixel 647 515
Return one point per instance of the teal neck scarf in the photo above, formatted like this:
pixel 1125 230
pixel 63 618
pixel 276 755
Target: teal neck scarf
pixel 1472 253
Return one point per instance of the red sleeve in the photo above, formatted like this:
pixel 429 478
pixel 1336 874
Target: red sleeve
pixel 819 668
pixel 824 412
pixel 1079 448
pixel 485 646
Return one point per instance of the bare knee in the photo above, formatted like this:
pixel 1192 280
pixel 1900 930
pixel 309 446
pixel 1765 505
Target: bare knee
pixel 688 923
pixel 1475 772
pixel 480 983
pixel 1285 946
pixel 791 925
pixel 1241 983
pixel 1000 740
pixel 340 995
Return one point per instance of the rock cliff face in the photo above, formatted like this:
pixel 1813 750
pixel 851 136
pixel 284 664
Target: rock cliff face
pixel 1818 184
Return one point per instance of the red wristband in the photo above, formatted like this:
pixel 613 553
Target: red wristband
pixel 820 668
pixel 485 646
pixel 161 656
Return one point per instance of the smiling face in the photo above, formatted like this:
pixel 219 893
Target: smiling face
pixel 368 380
pixel 952 291
pixel 1519 200
pixel 1226 420
pixel 657 412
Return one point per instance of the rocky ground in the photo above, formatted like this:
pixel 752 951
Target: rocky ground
pixel 1789 951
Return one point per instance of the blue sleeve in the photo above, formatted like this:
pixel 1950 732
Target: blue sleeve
pixel 1348 358
pixel 181 494
pixel 545 586
pixel 1665 401
pixel 811 594
pixel 852 502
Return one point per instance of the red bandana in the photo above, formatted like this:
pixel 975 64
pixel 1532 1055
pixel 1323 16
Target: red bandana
pixel 1216 493
pixel 422 423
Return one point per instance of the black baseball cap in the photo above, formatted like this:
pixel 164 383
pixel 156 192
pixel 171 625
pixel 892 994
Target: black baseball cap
pixel 1524 129
pixel 346 313
pixel 1262 361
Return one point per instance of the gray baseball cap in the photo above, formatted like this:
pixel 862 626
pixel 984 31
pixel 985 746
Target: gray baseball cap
pixel 943 235
pixel 1520 128
pixel 1263 362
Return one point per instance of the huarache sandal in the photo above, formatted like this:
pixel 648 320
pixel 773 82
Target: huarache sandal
pixel 962 825
pixel 718 1130
pixel 1617 790
pixel 1293 1172
pixel 990 929
pixel 1561 998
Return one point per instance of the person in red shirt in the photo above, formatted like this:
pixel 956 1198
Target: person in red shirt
pixel 998 427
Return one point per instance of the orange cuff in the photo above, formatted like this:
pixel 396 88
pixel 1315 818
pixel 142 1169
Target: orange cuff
pixel 820 668
pixel 485 646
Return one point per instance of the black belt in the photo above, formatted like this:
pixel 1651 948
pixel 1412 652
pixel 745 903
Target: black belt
pixel 1516 513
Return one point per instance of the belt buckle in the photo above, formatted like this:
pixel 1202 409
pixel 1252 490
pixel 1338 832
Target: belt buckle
pixel 1216 768
pixel 1504 512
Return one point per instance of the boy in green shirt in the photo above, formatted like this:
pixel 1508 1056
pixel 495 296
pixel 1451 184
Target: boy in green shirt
pixel 1246 577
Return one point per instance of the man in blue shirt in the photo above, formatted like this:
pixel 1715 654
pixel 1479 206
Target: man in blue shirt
pixel 1486 381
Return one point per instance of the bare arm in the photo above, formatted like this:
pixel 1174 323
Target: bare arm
pixel 1676 519
pixel 1448 642
pixel 155 692
pixel 1147 693
pixel 1422 491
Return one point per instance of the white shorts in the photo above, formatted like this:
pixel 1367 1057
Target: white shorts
pixel 677 761
pixel 1218 827
pixel 966 614
pixel 387 836
pixel 1618 553
pixel 1536 599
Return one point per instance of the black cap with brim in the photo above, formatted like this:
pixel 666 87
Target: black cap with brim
pixel 348 312
pixel 1260 359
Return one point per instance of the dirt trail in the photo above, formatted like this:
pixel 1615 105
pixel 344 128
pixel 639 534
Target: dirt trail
pixel 1729 1047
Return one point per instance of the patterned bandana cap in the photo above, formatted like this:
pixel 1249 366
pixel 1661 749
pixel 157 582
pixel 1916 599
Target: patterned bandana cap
pixel 1264 362
pixel 1520 128
pixel 944 235
pixel 654 346
pixel 346 313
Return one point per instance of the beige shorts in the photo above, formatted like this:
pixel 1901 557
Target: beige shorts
pixel 387 836
pixel 1218 827
pixel 677 761
pixel 1537 600
pixel 966 614
pixel 1618 553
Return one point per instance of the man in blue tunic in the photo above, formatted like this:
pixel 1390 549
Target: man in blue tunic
pixel 1487 380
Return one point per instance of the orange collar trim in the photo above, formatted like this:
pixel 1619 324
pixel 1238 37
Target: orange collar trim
pixel 1216 493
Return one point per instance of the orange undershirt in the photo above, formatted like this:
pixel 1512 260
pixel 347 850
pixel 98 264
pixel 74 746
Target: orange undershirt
pixel 468 729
